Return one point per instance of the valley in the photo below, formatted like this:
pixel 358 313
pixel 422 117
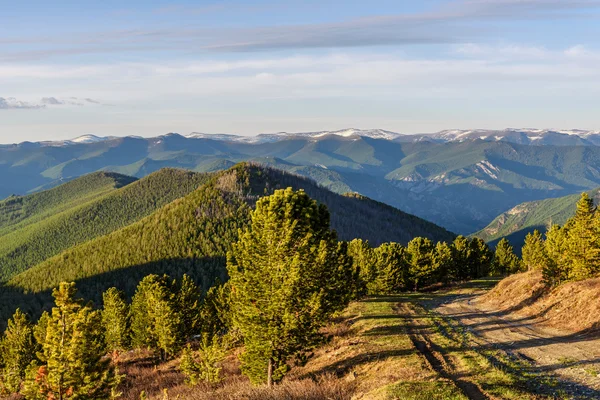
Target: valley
pixel 460 180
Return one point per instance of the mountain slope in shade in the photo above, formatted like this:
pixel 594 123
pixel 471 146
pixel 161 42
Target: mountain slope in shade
pixel 45 233
pixel 192 234
pixel 517 222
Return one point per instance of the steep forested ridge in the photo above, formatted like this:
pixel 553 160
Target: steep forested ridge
pixel 192 235
pixel 81 217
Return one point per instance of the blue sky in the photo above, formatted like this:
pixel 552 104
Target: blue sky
pixel 152 67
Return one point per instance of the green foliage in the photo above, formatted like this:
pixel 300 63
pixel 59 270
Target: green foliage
pixel 364 263
pixel 570 252
pixel 215 312
pixel 203 365
pixel 583 245
pixel 505 260
pixel 392 269
pixel 286 281
pixel 422 269
pixel 164 313
pixel 74 365
pixel 115 320
pixel 17 350
pixel 188 306
pixel 533 252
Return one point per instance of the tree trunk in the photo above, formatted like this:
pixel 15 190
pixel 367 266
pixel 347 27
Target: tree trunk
pixel 270 373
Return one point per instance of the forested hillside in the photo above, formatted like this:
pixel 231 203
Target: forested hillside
pixel 517 222
pixel 192 235
pixel 19 211
pixel 53 221
pixel 461 185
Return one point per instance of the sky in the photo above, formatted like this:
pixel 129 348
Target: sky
pixel 146 68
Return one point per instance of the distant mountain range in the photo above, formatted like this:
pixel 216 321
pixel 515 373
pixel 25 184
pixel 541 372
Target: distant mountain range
pixel 575 137
pixel 458 179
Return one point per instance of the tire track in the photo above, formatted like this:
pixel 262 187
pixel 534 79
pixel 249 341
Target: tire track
pixel 437 361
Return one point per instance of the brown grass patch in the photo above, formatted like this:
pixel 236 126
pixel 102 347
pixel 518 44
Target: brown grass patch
pixel 573 306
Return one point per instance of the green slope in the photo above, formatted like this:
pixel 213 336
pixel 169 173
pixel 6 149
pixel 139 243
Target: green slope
pixel 516 223
pixel 46 231
pixel 192 235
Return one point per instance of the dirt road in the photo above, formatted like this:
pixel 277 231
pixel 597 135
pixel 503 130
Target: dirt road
pixel 571 360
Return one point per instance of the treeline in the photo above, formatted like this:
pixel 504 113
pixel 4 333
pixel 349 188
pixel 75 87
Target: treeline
pixel 569 252
pixel 86 220
pixel 392 267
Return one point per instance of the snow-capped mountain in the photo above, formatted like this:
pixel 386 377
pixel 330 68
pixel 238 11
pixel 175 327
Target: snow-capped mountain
pixel 538 137
pixel 574 137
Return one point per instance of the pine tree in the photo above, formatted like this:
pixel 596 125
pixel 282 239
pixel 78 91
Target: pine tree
pixel 215 312
pixel 364 262
pixel 583 244
pixel 392 269
pixel 203 365
pixel 165 320
pixel 115 320
pixel 155 316
pixel 461 252
pixel 73 349
pixel 188 305
pixel 534 252
pixel 480 257
pixel 420 255
pixel 141 324
pixel 505 260
pixel 444 262
pixel 18 351
pixel 281 281
pixel 557 267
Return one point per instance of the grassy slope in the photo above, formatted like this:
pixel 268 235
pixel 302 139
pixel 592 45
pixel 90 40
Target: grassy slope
pixel 524 218
pixel 48 231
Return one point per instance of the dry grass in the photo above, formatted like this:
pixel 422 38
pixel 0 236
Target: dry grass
pixel 368 351
pixel 573 306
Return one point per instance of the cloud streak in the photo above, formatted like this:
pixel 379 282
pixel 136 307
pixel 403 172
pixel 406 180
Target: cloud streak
pixel 455 22
pixel 11 103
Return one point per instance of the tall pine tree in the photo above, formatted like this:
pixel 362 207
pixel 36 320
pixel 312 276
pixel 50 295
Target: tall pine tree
pixel 115 320
pixel 18 350
pixel 282 285
pixel 505 260
pixel 534 252
pixel 74 366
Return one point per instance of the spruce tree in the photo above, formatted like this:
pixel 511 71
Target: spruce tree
pixel 505 260
pixel 74 365
pixel 18 351
pixel 282 285
pixel 461 252
pixel 421 256
pixel 534 252
pixel 115 320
